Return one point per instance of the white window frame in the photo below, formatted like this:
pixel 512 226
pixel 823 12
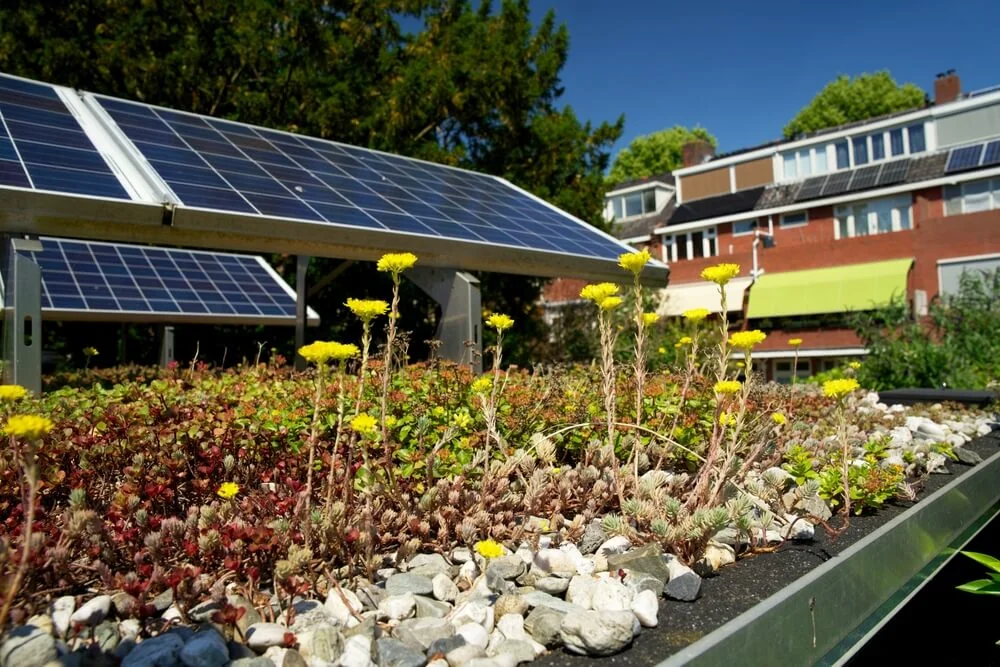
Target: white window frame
pixel 709 241
pixel 752 222
pixel 642 198
pixel 792 225
pixel 992 192
pixel 784 375
pixel 830 150
pixel 846 213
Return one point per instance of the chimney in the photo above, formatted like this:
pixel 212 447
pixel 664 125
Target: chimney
pixel 947 87
pixel 697 152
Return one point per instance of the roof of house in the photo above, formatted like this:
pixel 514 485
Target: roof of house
pixel 665 177
pixel 711 207
pixel 646 224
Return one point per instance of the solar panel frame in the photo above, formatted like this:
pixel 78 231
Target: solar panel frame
pixel 811 187
pixel 352 188
pixel 99 281
pixel 837 183
pixel 964 158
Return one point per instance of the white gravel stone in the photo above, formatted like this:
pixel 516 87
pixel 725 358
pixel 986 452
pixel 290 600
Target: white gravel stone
pixel 611 595
pixel 397 607
pixel 61 611
pixel 645 607
pixel 335 605
pixel 581 591
pixel 683 584
pixel 554 561
pixel 597 633
pixel 552 585
pixel 512 626
pixel 357 652
pixel 261 636
pixel 618 544
pixel 444 588
pixel 474 634
pixel 93 611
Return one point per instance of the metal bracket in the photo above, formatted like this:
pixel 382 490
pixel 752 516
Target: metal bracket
pixel 23 317
pixel 461 312
pixel 166 345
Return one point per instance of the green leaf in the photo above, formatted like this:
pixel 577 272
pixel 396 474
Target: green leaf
pixel 983 559
pixel 981 587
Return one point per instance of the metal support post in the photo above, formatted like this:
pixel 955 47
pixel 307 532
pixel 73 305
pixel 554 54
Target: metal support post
pixel 23 317
pixel 460 327
pixel 301 270
pixel 166 345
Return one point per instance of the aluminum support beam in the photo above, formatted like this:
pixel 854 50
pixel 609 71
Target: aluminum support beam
pixel 166 345
pixel 301 271
pixel 460 327
pixel 23 317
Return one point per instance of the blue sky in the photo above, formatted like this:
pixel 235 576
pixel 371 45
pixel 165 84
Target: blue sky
pixel 742 69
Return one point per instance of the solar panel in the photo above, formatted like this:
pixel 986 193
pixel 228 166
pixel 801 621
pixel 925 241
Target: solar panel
pixel 837 183
pixel 992 154
pixel 966 157
pixel 225 166
pixel 111 281
pixel 864 178
pixel 43 146
pixel 893 172
pixel 811 188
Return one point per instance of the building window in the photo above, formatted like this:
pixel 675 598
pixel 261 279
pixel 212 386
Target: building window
pixel 783 370
pixel 794 220
pixel 744 227
pixel 972 196
pixel 692 245
pixel 634 204
pixel 820 160
pixel 916 135
pixel 896 141
pixel 878 147
pixel 879 216
pixel 843 156
pixel 860 150
pixel 791 166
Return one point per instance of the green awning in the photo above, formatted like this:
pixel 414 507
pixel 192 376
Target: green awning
pixel 832 290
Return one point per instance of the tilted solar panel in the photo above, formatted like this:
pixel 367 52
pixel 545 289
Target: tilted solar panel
pixel 43 146
pixel 893 172
pixel 837 183
pixel 992 154
pixel 966 157
pixel 225 166
pixel 95 280
pixel 864 178
pixel 811 188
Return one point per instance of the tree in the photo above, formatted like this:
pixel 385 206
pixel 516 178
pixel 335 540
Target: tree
pixel 846 100
pixel 655 153
pixel 476 87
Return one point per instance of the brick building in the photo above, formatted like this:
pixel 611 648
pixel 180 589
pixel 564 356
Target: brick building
pixel 840 220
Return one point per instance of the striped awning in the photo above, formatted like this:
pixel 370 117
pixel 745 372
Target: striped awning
pixel 674 300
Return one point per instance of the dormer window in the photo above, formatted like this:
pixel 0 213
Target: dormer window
pixel 854 151
pixel 634 204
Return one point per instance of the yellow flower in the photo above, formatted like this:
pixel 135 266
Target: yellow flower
pixel 740 364
pixel 720 274
pixel 482 385
pixel 499 322
pixel 390 421
pixel 438 411
pixel 489 549
pixel 778 418
pixel 599 292
pixel 321 352
pixel 795 342
pixel 342 351
pixel 90 352
pixel 839 388
pixel 228 490
pixel 12 392
pixel 633 261
pixel 684 340
pixel 396 262
pixel 461 419
pixel 610 303
pixel 745 340
pixel 727 387
pixel 696 314
pixel 726 419
pixel 662 350
pixel 855 365
pixel 364 423
pixel 367 309
pixel 28 427
pixel 649 319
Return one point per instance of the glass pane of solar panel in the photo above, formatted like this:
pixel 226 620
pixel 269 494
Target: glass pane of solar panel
pixel 42 146
pixel 893 172
pixel 256 170
pixel 992 154
pixel 837 183
pixel 966 157
pixel 106 277
pixel 864 178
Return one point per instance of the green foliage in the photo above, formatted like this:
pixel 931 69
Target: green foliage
pixel 800 464
pixel 655 153
pixel 475 87
pixel 956 347
pixel 989 586
pixel 871 484
pixel 845 100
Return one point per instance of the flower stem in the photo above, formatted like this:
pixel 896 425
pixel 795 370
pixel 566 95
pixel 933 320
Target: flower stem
pixel 30 468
